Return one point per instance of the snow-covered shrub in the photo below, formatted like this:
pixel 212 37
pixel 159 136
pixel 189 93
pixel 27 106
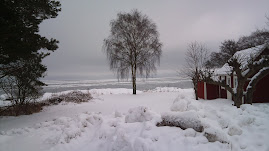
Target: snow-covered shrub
pixel 74 96
pixel 183 103
pixel 22 109
pixel 213 135
pixel 140 114
pixel 234 130
pixel 180 104
pixel 184 120
pixel 117 114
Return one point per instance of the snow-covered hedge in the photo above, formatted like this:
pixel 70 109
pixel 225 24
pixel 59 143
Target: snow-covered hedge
pixel 73 96
pixel 183 120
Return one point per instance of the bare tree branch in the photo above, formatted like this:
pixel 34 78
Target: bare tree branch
pixel 196 57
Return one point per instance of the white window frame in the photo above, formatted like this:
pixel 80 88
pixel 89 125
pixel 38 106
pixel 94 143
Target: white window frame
pixel 228 81
pixel 235 82
pixel 222 78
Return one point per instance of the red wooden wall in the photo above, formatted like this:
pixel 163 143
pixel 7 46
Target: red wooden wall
pixel 262 91
pixel 201 90
pixel 212 91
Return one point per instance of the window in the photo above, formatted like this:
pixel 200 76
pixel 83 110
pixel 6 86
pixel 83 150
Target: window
pixel 222 78
pixel 229 81
pixel 235 82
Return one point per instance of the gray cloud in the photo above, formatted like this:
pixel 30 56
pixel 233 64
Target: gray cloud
pixel 82 26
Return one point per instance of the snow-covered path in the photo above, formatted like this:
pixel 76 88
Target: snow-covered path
pixel 102 124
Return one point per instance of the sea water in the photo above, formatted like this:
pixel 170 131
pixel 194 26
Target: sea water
pixel 141 84
pixel 55 86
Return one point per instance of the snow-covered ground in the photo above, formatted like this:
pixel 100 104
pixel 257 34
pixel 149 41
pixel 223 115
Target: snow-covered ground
pixel 117 120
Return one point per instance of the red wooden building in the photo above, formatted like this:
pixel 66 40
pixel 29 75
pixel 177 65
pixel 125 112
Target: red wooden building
pixel 261 94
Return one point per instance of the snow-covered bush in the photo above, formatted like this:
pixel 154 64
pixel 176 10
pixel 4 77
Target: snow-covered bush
pixel 74 96
pixel 140 114
pixel 184 120
pixel 183 103
pixel 180 104
pixel 21 109
pixel 117 114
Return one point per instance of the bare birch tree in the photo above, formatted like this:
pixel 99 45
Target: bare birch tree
pixel 133 46
pixel 196 58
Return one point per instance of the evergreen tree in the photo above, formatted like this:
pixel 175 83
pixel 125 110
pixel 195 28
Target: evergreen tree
pixel 21 47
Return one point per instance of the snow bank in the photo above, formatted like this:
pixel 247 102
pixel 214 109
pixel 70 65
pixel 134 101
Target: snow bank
pixel 113 91
pixel 170 89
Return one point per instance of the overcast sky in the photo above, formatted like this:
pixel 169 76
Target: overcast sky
pixel 82 25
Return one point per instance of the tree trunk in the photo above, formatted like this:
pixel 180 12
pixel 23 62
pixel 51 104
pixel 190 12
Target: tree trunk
pixel 196 94
pixel 134 79
pixel 237 101
pixel 134 85
pixel 194 81
pixel 239 95
pixel 196 91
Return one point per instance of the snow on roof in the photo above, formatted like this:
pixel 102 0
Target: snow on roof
pixel 244 56
pixel 225 69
